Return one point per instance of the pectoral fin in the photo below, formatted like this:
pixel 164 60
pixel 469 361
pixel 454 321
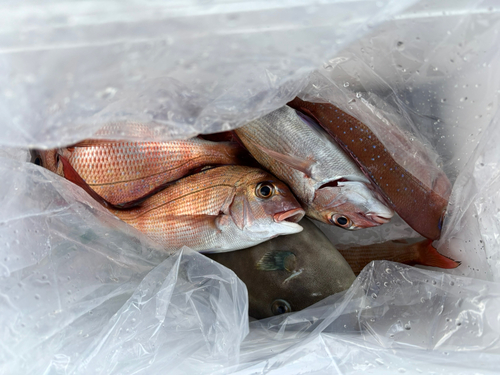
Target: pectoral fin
pixel 276 261
pixel 303 165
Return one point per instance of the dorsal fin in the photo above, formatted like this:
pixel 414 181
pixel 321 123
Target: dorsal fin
pixel 314 126
pixel 92 143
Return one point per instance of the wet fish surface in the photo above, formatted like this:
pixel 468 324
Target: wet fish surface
pixel 325 179
pixel 402 251
pixel 422 207
pixel 289 273
pixel 220 209
pixel 123 172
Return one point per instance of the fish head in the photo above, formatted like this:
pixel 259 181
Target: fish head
pixel 287 274
pixel 263 206
pixel 350 205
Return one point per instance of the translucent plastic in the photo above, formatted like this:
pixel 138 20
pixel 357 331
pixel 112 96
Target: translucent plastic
pixel 82 292
pixel 179 67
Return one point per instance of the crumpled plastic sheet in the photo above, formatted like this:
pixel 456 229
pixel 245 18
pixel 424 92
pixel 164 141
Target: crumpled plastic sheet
pixel 181 68
pixel 82 292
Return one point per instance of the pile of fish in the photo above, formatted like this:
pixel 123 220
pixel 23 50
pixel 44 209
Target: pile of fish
pixel 242 189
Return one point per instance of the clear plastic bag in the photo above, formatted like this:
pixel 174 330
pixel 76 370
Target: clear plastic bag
pixel 83 292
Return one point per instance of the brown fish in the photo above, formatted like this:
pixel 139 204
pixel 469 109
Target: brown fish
pixel 122 172
pixel 423 208
pixel 289 273
pixel 402 251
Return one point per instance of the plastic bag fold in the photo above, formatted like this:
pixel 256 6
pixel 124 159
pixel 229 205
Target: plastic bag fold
pixel 82 292
pixel 68 68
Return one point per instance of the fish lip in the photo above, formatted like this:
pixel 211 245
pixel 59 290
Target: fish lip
pixel 378 219
pixel 288 227
pixel 293 216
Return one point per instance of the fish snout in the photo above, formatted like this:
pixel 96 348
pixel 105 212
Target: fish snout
pixel 379 219
pixel 294 215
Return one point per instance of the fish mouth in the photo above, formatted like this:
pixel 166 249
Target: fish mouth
pixel 378 219
pixel 292 216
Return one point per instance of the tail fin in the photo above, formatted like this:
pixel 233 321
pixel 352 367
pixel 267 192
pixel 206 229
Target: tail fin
pixel 429 256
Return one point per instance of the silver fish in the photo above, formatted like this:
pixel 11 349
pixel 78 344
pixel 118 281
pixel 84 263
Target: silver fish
pixel 323 177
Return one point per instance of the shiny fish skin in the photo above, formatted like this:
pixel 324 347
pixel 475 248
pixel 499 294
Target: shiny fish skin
pixel 421 207
pixel 285 133
pixel 314 272
pixel 216 210
pixel 123 172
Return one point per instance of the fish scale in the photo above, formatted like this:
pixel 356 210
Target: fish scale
pixel 304 156
pixel 420 206
pixel 197 211
pixel 122 172
pixel 284 137
pixel 201 193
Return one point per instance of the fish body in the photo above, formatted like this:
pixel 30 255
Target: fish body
pixel 325 179
pixel 289 273
pixel 122 172
pixel 422 207
pixel 402 251
pixel 219 209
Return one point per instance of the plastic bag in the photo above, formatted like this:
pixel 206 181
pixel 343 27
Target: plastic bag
pixel 82 292
pixel 68 68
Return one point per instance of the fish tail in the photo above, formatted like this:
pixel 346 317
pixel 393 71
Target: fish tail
pixel 429 256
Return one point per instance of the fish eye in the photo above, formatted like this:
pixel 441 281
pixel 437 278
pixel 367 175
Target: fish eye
pixel 341 220
pixel 264 190
pixel 280 306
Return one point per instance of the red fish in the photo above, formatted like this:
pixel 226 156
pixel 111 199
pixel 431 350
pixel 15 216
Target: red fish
pixel 123 172
pixel 220 209
pixel 422 207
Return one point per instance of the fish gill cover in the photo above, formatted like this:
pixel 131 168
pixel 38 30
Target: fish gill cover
pixel 83 293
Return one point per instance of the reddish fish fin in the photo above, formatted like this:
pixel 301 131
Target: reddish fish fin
pixel 305 166
pixel 74 177
pixel 92 143
pixel 429 256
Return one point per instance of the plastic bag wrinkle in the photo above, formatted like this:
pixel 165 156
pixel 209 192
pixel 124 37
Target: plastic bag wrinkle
pixel 182 70
pixel 62 295
pixel 68 268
